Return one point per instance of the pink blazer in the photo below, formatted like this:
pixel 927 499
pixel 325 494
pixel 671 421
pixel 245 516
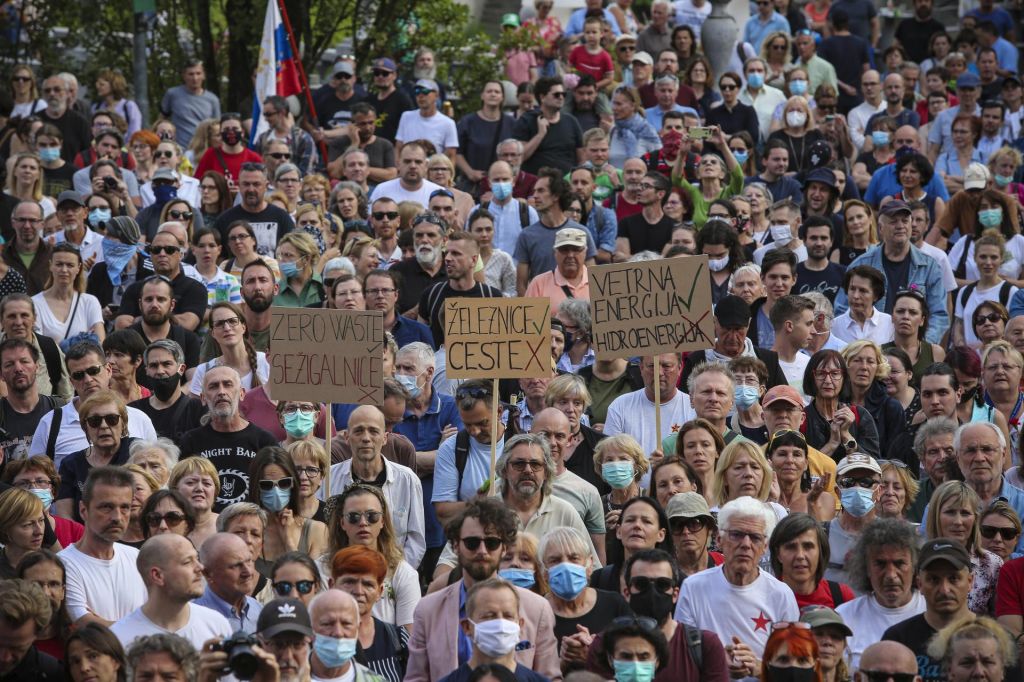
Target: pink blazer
pixel 433 649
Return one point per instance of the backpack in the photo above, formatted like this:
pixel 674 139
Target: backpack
pixel 1004 293
pixel 462 445
pixel 836 592
pixel 48 349
pixel 524 211
pixel 694 642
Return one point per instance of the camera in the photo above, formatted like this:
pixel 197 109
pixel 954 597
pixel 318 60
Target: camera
pixel 242 661
pixel 110 183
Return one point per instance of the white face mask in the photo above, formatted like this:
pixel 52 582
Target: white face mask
pixel 718 264
pixel 796 119
pixel 496 637
pixel 782 233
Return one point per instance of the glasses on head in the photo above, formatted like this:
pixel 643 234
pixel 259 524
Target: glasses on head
pixel 895 462
pixel 27 221
pixel 308 472
pixel 180 215
pixel 173 519
pixel 643 622
pixel 97 420
pixel 168 250
pixel 355 518
pixel 442 192
pixel 227 323
pixel 642 583
pixel 429 218
pixel 739 535
pixel 881 676
pixel 91 371
pixel 253 166
pixel 475 392
pixel 266 484
pixel 785 432
pixel 491 542
pixel 521 465
pixel 379 292
pixel 694 525
pixel 859 481
pixel 284 588
pixel 989 532
pixel 385 215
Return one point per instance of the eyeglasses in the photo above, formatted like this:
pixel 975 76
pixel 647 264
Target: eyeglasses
pixel 880 676
pixel 168 250
pixel 642 583
pixel 266 484
pixel 284 587
pixel 379 292
pixel 180 215
pixel 728 87
pixel 491 543
pixel 239 237
pixel 647 185
pixel 559 94
pixel 34 483
pixel 833 374
pixel 97 420
pixel 385 215
pixel 355 518
pixel 627 48
pixel 91 371
pixel 521 465
pixel 292 409
pixel 27 221
pixel 344 76
pixel 163 155
pixel 308 472
pixel 989 532
pixel 694 525
pixel 1004 367
pixel 862 481
pixel 280 156
pixel 173 519
pixel 227 322
pixel 739 535
pixel 381 73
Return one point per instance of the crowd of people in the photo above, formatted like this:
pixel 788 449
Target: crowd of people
pixel 835 492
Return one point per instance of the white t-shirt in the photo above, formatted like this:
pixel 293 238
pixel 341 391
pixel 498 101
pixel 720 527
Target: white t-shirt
pixel 794 371
pixel 965 310
pixel 71 438
pixel 392 189
pixel 110 589
pixel 438 128
pixel 1008 270
pixel 801 252
pixel 633 413
pixel 687 14
pixel 868 619
pixel 401 595
pixel 948 279
pixel 88 313
pixel 203 624
pixel 262 370
pixel 751 609
pixel 350 676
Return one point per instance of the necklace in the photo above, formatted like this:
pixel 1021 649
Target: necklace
pixel 803 143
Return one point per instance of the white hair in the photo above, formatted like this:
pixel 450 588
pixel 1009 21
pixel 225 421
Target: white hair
pixel 342 264
pixel 166 446
pixel 821 305
pixel 423 353
pixel 745 268
pixel 644 256
pixel 746 507
pixel 960 432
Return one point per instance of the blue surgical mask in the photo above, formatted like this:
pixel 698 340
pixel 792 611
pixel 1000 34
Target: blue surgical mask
pixel 520 577
pixel 275 499
pixel 798 86
pixel 299 424
pixel 618 474
pixel 164 193
pixel 410 384
pixel 991 217
pixel 746 396
pixel 857 501
pixel 880 138
pixel 334 652
pixel 288 270
pixel 633 671
pixel 98 216
pixel 567 580
pixel 116 255
pixel 741 157
pixel 501 190
pixel 755 80
pixel 49 154
pixel 1002 180
pixel 45 495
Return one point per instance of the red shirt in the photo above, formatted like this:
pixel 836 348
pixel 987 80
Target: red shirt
pixel 623 208
pixel 1010 589
pixel 597 65
pixel 67 531
pixel 212 161
pixel 822 596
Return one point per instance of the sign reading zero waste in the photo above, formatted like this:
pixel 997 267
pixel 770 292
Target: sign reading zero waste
pixel 497 338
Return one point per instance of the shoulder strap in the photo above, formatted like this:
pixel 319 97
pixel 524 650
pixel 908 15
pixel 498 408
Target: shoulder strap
pixel 71 317
pixel 51 441
pixel 401 651
pixel 524 213
pixel 1004 293
pixel 461 456
pixel 694 642
pixel 48 348
pixel 567 291
pixel 965 293
pixel 961 268
pixel 223 162
pixel 836 592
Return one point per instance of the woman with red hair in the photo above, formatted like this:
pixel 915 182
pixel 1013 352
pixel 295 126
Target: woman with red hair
pixel 791 654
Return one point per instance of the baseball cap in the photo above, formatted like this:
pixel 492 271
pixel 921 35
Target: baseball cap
pixel 1012 79
pixel 284 615
pixel 968 80
pixel 510 19
pixel 687 506
pixel 643 58
pixel 895 207
pixel 385 63
pixel 944 549
pixel 570 236
pixel 625 38
pixel 345 68
pixel 784 393
pixel 426 84
pixel 976 176
pixel 163 174
pixel 820 616
pixel 857 460
pixel 732 312
pixel 70 196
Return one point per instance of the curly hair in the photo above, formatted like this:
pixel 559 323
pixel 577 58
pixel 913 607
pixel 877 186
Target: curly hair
pixel 179 649
pixel 492 515
pixel 876 535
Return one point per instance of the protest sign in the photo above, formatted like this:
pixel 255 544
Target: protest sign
pixel 497 338
pixel 326 355
pixel 651 307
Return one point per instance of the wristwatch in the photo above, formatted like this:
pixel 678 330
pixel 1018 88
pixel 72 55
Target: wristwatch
pixel 850 446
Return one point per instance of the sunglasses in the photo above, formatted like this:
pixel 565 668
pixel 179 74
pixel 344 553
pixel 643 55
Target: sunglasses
pixel 167 250
pixel 472 543
pixel 266 484
pixel 880 676
pixel 91 371
pixel 862 481
pixel 991 317
pixel 728 87
pixel 344 76
pixel 557 94
pixel 21 79
pixel 163 155
pixel 642 583
pixel 694 525
pixel 173 519
pixel 280 156
pixel 180 215
pixel 284 587
pixel 989 532
pixel 97 420
pixel 355 517
pixel 385 215
pixel 422 91
pixel 381 73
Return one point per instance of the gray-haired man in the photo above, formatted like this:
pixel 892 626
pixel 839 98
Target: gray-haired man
pixel 172 410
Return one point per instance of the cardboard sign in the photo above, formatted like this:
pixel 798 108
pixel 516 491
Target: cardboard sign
pixel 651 307
pixel 326 355
pixel 497 338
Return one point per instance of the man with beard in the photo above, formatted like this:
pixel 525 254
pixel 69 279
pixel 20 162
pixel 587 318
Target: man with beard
pixel 59 114
pixel 269 222
pixel 29 255
pixel 102 582
pixel 23 406
pixel 189 296
pixel 914 32
pixel 362 135
pixel 429 235
pixel 170 569
pixel 282 129
pixel 172 411
pixel 651 229
pixel 411 183
pixel 259 287
pixel 893 89
pixel 479 536
pixel 156 304
pixel 384 219
pixel 818 273
pixel 460 258
pixel 229 158
pixel 227 440
pixel 229 567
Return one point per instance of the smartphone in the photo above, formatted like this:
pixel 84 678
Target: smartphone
pixel 829 118
pixel 699 132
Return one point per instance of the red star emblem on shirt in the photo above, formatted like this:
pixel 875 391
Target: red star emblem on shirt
pixel 676 427
pixel 761 622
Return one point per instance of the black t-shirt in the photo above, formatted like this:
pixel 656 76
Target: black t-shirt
pixel 432 304
pixel 415 281
pixel 175 421
pixel 607 607
pixel 914 36
pixel 75 468
pixel 76 131
pixel 897 276
pixel 188 341
pixel 189 297
pixel 644 236
pixel 827 281
pixel 915 633
pixel 479 138
pixel 334 113
pixel 847 54
pixel 231 455
pixel 557 149
pixel 16 435
pixel 57 180
pixel 270 225
pixel 389 112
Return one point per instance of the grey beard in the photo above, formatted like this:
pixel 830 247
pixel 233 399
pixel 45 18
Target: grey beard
pixel 224 412
pixel 420 72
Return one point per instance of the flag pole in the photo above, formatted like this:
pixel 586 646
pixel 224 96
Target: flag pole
pixel 304 82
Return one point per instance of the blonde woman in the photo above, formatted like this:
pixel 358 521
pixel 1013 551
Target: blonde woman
pixel 622 464
pixel 898 490
pixel 799 133
pixel 868 370
pixel 860 233
pixel 777 54
pixel 144 485
pixel 25 181
pixel 363 253
pixel 26 100
pixel 441 171
pixel 310 219
pixel 22 524
pixel 198 482
pixel 207 135
pixel 974 649
pixel 743 470
pixel 300 285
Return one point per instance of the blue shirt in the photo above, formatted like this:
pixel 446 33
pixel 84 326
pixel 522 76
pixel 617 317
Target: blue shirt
pixel 408 331
pixel 574 26
pixel 998 16
pixel 655 115
pixel 757 30
pixel 1007 54
pixel 603 234
pixel 884 183
pixel 245 620
pixel 949 163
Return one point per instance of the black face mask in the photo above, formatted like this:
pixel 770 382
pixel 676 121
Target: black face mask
pixel 968 396
pixel 163 388
pixel 230 137
pixel 652 603
pixel 777 674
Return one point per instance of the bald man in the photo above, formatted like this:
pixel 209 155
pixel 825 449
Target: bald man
pixel 230 570
pixel 173 576
pixel 886 658
pixel 402 488
pixel 577 491
pixel 335 616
